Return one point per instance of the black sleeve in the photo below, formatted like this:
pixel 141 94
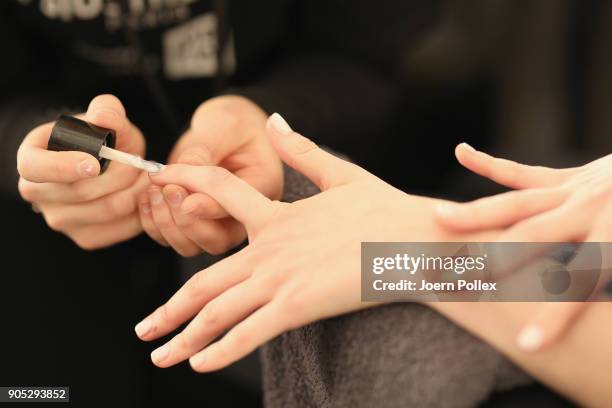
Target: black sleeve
pixel 25 96
pixel 338 81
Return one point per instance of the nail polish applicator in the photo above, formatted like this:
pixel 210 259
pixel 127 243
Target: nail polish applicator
pixel 72 134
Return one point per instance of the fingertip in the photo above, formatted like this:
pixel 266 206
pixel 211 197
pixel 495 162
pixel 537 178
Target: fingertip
pixel 88 167
pixel 106 101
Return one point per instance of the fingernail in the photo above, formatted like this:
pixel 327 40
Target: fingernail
pixel 87 168
pixel 175 199
pixel 447 210
pixel 145 208
pixel 143 328
pixel 160 354
pixel 156 197
pixel 530 338
pixel 197 360
pixel 469 147
pixel 279 124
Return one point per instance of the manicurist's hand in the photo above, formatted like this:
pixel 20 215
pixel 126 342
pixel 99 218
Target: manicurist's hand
pixel 302 263
pixel 94 211
pixel 548 205
pixel 227 131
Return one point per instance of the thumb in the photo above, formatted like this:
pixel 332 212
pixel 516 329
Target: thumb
pixel 107 111
pixel 195 156
pixel 303 155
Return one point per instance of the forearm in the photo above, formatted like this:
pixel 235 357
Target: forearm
pixel 578 366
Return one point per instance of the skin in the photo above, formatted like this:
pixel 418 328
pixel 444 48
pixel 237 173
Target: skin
pixel 227 132
pixel 271 285
pixel 97 212
pixel 547 205
pixel 93 211
pixel 290 275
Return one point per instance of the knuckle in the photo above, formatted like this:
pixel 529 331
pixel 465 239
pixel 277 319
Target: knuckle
pixel 183 341
pixel 303 145
pixel 86 242
pixel 272 280
pixel 236 342
pixel 163 314
pixel 82 192
pixel 197 284
pixel 55 222
pixel 187 252
pixel 224 118
pixel 209 314
pixel 123 205
pixel 26 189
pixel 217 175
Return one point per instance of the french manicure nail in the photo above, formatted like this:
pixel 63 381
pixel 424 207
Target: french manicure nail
pixel 197 360
pixel 156 197
pixel 143 328
pixel 530 338
pixel 469 147
pixel 160 354
pixel 279 124
pixel 87 168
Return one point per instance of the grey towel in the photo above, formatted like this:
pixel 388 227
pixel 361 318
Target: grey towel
pixel 398 355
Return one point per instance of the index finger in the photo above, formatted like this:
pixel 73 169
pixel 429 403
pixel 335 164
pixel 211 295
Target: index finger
pixel 239 199
pixel 37 164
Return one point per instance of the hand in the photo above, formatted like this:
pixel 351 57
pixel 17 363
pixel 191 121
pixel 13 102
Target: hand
pixel 302 263
pixel 552 205
pixel 553 320
pixel 94 211
pixel 227 131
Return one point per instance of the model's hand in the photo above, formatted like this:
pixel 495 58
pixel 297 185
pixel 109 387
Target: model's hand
pixel 94 211
pixel 550 205
pixel 302 263
pixel 227 131
pixel 553 320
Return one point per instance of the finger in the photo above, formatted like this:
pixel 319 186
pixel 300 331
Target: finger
pixel 78 192
pixel 321 167
pixel 213 236
pixel 510 173
pixel 499 210
pixel 548 326
pixel 602 228
pixel 569 222
pixel 219 314
pixel 193 295
pixel 63 217
pixel 166 225
pixel 107 111
pixel 238 198
pixel 146 219
pixel 37 164
pixel 216 132
pixel 257 329
pixel 204 206
pixel 104 235
pixel 216 236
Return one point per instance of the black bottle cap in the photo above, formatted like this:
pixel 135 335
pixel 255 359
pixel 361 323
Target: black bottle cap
pixel 72 134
